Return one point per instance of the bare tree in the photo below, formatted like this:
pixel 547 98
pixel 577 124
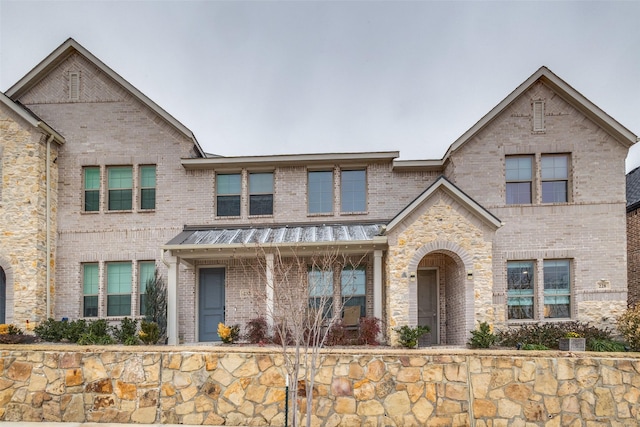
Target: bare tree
pixel 303 296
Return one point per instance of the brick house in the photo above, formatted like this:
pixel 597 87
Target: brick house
pixel 633 235
pixel 510 226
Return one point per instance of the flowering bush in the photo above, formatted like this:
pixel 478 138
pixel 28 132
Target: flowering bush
pixel 9 329
pixel 572 334
pixel 149 332
pixel 228 334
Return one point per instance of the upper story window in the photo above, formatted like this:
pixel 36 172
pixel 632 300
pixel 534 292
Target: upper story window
pixel 147 187
pixel 120 184
pixel 90 290
pixel 118 289
pixel 353 191
pixel 555 178
pixel 320 192
pixel 91 189
pixel 228 190
pixel 261 193
pixel 519 179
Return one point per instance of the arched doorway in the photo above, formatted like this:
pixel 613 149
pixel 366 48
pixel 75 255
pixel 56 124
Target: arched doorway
pixel 443 292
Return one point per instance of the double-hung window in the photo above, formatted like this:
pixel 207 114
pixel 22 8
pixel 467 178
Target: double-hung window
pixel 353 288
pixel 261 193
pixel 119 289
pixel 520 290
pixel 228 189
pixel 320 192
pixel 91 189
pixel 120 181
pixel 146 274
pixel 147 187
pixel 555 175
pixel 519 179
pixel 557 290
pixel 321 291
pixel 90 290
pixel 353 191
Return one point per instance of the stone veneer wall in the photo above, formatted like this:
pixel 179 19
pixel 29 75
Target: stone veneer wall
pixel 23 226
pixel 235 385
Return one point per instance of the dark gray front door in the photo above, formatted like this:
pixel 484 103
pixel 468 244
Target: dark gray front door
pixel 210 303
pixel 428 304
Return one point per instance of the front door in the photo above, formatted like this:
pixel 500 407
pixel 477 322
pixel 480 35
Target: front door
pixel 428 304
pixel 210 303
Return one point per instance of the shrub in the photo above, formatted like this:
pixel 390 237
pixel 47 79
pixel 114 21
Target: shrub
pixel 155 303
pixel 282 335
pixel 127 332
pixel 149 332
pixel 483 337
pixel 228 334
pixel 257 331
pixel 605 345
pixel 10 329
pixel 72 331
pixel 535 347
pixel 409 336
pixel 549 334
pixel 50 330
pixel 337 334
pixel 629 326
pixel 369 331
pixel 97 332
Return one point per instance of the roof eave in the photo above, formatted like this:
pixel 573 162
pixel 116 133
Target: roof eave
pixel 62 53
pixel 569 94
pixel 24 114
pixel 289 159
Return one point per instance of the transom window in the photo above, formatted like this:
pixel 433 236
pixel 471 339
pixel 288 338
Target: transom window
pixel 91 189
pixel 147 187
pixel 261 193
pixel 353 193
pixel 120 182
pixel 118 289
pixel 228 189
pixel 519 178
pixel 320 192
pixel 555 175
pixel 90 290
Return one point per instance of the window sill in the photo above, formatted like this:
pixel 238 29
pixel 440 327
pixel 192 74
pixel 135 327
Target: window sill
pixel 260 216
pixel 320 214
pixel 117 212
pixel 89 212
pixel 228 217
pixel 354 213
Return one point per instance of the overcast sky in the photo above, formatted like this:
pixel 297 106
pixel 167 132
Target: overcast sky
pixel 276 77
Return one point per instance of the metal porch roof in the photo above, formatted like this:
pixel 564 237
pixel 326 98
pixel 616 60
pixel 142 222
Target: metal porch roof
pixel 276 236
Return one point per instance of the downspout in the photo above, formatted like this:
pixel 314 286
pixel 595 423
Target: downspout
pixel 48 226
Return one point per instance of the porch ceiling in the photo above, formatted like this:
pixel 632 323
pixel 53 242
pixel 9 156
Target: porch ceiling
pixel 221 243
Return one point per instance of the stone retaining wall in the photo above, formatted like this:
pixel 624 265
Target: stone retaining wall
pixel 216 385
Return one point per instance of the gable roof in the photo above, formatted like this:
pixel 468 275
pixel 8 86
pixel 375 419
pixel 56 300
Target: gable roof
pixel 443 183
pixel 30 117
pixel 566 92
pixel 68 48
pixel 633 190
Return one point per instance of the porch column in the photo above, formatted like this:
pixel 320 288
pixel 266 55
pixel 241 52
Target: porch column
pixel 172 300
pixel 269 290
pixel 377 284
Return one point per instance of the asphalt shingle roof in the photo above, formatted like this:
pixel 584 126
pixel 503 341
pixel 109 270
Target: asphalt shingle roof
pixel 633 189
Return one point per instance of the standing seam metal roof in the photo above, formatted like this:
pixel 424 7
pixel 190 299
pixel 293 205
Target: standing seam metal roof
pixel 278 235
